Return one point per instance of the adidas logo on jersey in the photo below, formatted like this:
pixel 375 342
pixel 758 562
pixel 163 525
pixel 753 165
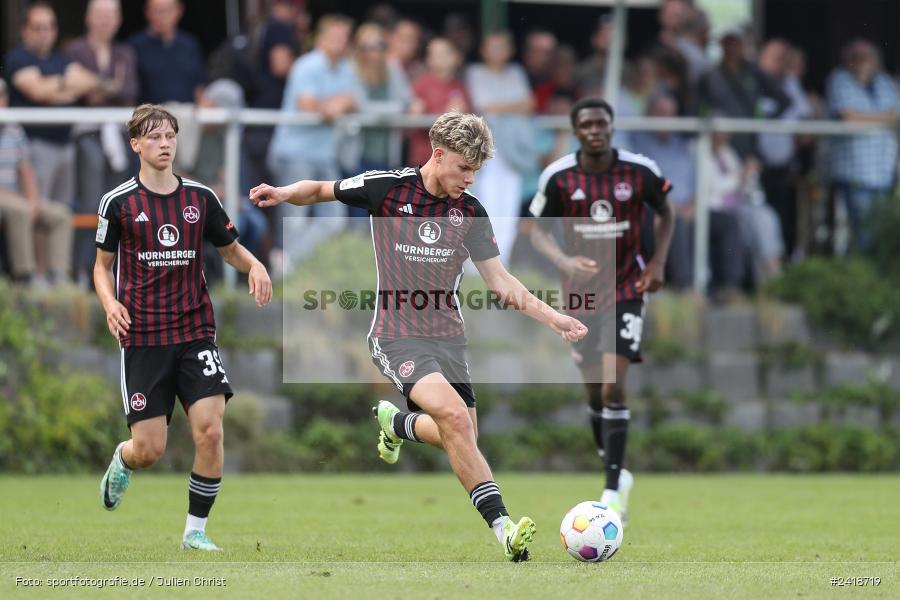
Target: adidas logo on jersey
pixel 406 209
pixel 142 218
pixel 578 194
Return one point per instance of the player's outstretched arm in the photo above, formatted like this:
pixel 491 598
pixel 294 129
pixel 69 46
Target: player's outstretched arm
pixel 512 292
pixel 258 281
pixel 300 193
pixel 117 318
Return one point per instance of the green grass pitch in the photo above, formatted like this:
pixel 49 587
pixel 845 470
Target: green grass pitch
pixel 417 536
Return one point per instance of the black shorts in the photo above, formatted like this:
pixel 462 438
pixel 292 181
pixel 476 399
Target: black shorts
pixel 629 325
pixel 406 361
pixel 153 375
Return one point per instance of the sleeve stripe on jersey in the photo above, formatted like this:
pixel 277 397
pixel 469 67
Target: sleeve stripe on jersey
pixel 197 184
pixel 641 160
pixel 396 174
pixel 118 191
pixel 566 162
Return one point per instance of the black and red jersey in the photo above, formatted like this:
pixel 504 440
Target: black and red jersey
pixel 601 215
pixel 421 242
pixel 158 241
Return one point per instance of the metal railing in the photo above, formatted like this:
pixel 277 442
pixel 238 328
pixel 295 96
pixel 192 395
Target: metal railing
pixel 235 120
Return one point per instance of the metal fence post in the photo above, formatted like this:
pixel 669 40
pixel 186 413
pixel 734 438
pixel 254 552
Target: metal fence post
pixel 232 168
pixel 701 210
pixel 613 79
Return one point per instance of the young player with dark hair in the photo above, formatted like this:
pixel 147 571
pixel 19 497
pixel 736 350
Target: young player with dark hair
pixel 609 188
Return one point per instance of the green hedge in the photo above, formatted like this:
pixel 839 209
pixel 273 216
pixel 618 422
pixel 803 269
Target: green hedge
pixel 49 420
pixel 333 431
pixel 326 446
pixel 884 224
pixel 337 442
pixel 849 299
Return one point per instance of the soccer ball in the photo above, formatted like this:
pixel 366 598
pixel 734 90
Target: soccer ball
pixel 591 532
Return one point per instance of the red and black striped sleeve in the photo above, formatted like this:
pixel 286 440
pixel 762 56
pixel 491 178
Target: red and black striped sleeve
pixel 368 190
pixel 218 227
pixel 480 240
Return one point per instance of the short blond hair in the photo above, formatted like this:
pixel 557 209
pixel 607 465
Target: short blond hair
pixel 148 117
pixel 465 134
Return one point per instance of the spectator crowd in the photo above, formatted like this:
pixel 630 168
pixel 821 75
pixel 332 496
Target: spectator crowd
pixel 762 201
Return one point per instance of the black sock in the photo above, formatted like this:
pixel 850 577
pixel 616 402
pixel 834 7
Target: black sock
pixel 201 494
pixel 597 428
pixel 615 433
pixel 405 425
pixel 486 498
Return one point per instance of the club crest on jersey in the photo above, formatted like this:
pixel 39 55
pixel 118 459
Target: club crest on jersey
pixel 623 191
pixel 168 235
pixel 407 368
pixel 456 217
pixel 138 401
pixel 191 213
pixel 601 211
pixel 429 232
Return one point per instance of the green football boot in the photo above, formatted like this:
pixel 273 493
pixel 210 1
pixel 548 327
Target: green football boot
pixel 388 442
pixel 516 537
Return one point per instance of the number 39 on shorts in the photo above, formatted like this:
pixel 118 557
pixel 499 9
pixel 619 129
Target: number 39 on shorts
pixel 213 362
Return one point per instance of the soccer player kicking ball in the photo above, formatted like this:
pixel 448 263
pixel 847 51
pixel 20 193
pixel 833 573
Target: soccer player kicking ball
pixel 608 188
pixel 424 227
pixel 153 227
